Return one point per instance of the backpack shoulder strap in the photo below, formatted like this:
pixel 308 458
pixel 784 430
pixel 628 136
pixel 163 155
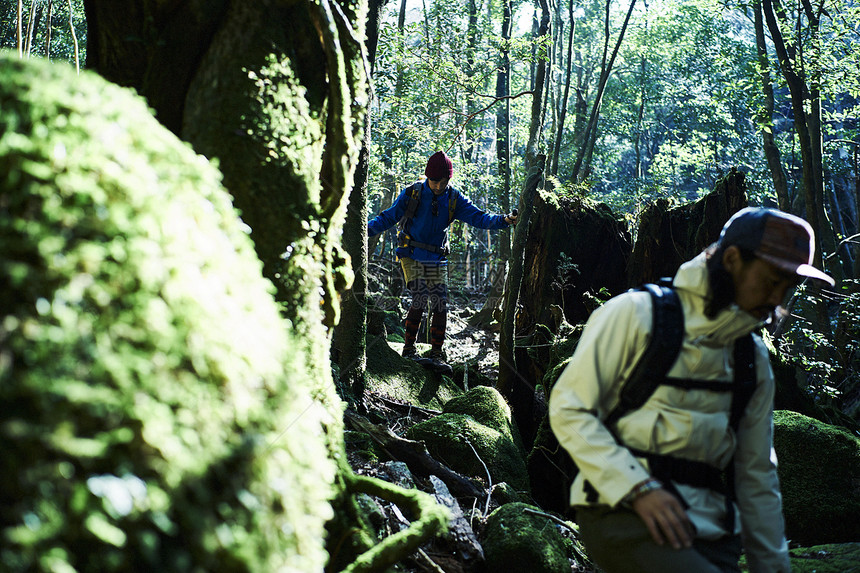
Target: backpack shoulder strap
pixel 667 334
pixel 452 204
pixel 412 205
pixel 745 381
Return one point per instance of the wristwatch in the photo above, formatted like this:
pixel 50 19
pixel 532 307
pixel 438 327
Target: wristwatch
pixel 642 488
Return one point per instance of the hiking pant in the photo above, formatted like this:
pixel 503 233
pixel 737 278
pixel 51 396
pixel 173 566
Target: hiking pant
pixel 428 285
pixel 619 542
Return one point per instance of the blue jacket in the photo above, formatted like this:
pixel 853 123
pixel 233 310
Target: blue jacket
pixel 425 228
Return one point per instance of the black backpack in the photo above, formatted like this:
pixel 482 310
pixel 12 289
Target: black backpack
pixel 662 352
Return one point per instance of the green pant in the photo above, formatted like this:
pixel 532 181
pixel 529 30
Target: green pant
pixel 619 542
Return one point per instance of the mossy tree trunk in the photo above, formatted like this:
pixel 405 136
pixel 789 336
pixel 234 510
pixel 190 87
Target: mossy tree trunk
pixel 668 237
pixel 349 344
pixel 517 390
pixel 275 92
pixel 246 87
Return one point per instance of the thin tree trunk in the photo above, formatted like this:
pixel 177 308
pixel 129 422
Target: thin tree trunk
pixel 536 126
pixel 842 265
pixel 28 41
pixel 533 61
pixel 590 137
pixel 857 202
pixel 839 224
pixel 812 180
pixel 771 151
pixel 516 386
pixel 50 25
pixel 640 115
pixel 19 30
pixel 390 184
pixel 503 137
pixel 471 134
pixel 517 391
pixel 856 164
pixel 563 112
pixel 547 91
pixel 74 38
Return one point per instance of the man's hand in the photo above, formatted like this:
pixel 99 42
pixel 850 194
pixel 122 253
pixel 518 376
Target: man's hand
pixel 511 219
pixel 665 518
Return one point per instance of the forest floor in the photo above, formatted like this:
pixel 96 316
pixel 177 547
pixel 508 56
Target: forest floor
pixel 465 344
pixel 478 349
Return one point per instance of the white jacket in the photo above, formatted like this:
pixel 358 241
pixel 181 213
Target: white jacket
pixel 691 424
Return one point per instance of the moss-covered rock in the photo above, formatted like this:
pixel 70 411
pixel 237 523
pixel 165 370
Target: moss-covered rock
pixel 831 558
pixel 467 374
pixel 516 541
pixel 819 473
pixel 390 374
pixel 503 493
pixel 155 408
pixel 451 437
pixel 487 406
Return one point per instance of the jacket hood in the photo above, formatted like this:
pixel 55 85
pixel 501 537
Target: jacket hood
pixel 693 287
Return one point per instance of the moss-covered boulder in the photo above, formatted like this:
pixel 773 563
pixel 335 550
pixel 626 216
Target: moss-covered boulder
pixel 517 541
pixel 468 374
pixel 390 374
pixel 819 473
pixel 156 415
pixel 486 406
pixel 466 446
pixel 829 558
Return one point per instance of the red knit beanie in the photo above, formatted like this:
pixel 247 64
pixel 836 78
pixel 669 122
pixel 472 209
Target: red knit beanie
pixel 439 166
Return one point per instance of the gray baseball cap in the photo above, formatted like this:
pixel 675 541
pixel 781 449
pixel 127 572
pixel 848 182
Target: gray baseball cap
pixel 779 238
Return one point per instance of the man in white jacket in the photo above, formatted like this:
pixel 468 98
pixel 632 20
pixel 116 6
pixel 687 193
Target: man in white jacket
pixel 634 518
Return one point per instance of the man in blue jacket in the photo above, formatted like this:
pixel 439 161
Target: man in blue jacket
pixel 424 211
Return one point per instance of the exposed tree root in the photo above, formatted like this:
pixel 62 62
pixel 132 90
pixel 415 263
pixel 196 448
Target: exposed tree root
pixel 432 519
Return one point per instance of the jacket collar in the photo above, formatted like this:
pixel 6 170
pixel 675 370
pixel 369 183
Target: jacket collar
pixel 694 288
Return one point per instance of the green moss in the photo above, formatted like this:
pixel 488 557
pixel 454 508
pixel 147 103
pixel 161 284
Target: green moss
pixel 503 493
pixel 429 519
pixel 451 437
pixel 468 374
pixel 155 406
pixel 819 466
pixel 362 445
pixel 516 541
pixel 550 198
pixel 487 406
pixel 830 558
pixel 390 374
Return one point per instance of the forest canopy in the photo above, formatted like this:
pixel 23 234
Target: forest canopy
pixel 684 103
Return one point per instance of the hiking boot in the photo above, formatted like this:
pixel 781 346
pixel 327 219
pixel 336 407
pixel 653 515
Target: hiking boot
pixel 410 352
pixel 437 362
